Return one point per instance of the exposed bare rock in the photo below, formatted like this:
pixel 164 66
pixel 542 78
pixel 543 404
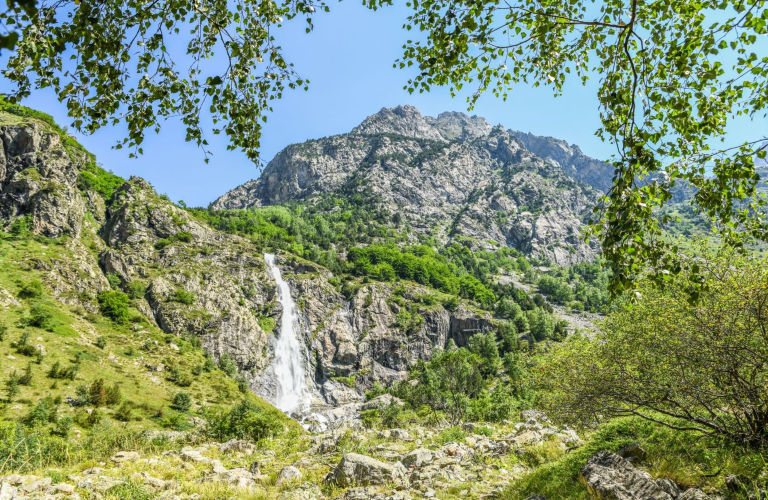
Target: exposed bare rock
pixel 449 176
pixel 361 470
pixel 38 178
pixel 607 476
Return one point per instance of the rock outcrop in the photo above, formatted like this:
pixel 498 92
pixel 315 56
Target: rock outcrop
pixel 451 176
pixel 607 476
pixel 361 470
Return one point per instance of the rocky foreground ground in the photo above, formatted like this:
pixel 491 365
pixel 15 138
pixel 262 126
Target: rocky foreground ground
pixel 352 463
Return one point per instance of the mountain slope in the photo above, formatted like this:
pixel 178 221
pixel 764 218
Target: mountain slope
pixel 448 177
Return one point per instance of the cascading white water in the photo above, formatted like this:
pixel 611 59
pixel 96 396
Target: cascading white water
pixel 289 363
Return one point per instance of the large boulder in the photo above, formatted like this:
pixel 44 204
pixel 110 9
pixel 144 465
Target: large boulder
pixel 361 470
pixel 607 476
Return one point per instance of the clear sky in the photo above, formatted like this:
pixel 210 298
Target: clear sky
pixel 348 59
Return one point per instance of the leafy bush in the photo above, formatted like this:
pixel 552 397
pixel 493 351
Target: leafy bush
pixel 101 342
pixel 125 412
pixel 135 289
pixel 114 305
pixel 228 365
pixel 448 383
pixel 181 402
pixel 484 346
pixel 702 364
pixel 95 178
pixel 245 420
pixel 184 236
pixel 21 227
pixel 267 323
pixel 31 290
pixel 41 317
pixel 114 281
pixel 183 297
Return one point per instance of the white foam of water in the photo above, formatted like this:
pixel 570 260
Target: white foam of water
pixel 288 364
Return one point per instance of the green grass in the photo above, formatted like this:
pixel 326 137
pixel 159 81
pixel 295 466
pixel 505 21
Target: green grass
pixel 74 334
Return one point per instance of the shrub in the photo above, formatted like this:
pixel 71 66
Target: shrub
pixel 23 346
pixel 484 346
pixel 114 281
pixel 42 413
pixel 267 323
pixel 63 426
pixel 125 412
pixel 41 317
pixel 95 178
pixel 541 324
pixel 114 305
pixel 12 387
pixel 183 297
pixel 184 236
pixel 451 303
pixel 97 393
pixel 228 365
pixel 101 342
pixel 448 383
pixel 31 290
pixel 135 289
pixel 21 227
pixel 26 377
pixel 181 402
pixel 3 331
pixel 701 362
pixel 113 395
pixel 56 372
pixel 245 420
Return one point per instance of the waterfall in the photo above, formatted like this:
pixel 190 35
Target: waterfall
pixel 289 363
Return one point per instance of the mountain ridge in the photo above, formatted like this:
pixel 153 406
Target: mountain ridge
pixel 450 176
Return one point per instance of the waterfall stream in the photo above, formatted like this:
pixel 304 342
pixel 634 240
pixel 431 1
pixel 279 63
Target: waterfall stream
pixel 288 364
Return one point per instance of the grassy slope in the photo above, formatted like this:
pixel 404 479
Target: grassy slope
pixel 74 333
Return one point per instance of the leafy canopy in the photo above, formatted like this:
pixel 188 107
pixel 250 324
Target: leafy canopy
pixel 140 62
pixel 699 367
pixel 672 76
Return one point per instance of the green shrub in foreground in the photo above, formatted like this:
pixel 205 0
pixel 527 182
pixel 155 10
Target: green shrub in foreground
pixel 245 420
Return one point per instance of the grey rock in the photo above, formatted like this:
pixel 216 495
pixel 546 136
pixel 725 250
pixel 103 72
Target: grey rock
pixel 7 492
pixel 693 494
pixel 288 474
pixel 607 476
pixel 354 469
pixel 419 458
pixel 125 456
pixel 669 486
pixel 238 478
pixel 453 173
pixel 381 402
pixel 237 446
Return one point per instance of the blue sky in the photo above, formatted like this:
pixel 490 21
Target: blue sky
pixel 348 59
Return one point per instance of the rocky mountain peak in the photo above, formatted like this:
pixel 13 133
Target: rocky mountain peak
pixel 409 122
pixel 401 120
pixel 453 176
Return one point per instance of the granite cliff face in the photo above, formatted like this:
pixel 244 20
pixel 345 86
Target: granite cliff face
pixel 450 176
pixel 574 163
